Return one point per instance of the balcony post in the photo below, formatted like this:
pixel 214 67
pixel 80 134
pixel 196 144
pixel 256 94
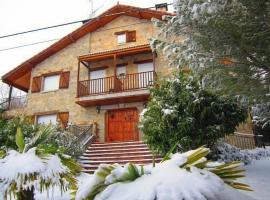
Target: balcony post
pixel 115 72
pixel 114 64
pixel 154 60
pixel 9 96
pixel 78 78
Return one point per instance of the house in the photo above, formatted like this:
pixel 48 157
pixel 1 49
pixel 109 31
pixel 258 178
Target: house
pixel 99 73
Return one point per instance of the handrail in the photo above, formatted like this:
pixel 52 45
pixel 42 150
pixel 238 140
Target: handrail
pixel 14 102
pixel 114 84
pixel 85 134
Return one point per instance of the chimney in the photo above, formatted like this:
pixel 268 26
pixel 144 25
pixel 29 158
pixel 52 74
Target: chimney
pixel 162 7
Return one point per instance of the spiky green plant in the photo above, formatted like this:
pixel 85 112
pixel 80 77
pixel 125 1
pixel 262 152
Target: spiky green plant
pixel 66 176
pixel 106 174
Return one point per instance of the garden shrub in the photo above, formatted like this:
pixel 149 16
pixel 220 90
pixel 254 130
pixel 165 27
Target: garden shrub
pixel 182 111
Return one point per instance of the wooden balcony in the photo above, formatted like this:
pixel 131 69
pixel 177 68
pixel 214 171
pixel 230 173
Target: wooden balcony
pixel 14 103
pixel 115 89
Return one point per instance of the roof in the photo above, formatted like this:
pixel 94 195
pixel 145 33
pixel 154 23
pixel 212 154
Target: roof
pixel 20 76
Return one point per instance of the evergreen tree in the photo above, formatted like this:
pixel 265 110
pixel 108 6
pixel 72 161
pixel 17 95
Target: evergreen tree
pixel 226 42
pixel 182 112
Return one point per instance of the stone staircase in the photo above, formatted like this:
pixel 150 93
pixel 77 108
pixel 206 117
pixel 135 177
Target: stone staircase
pixel 116 152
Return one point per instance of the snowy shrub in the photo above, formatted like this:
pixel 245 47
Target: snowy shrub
pixel 65 142
pixel 261 120
pixel 59 141
pixel 182 176
pixel 30 168
pixel 181 111
pixel 224 152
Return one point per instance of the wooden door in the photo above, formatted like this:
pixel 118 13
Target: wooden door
pixel 122 125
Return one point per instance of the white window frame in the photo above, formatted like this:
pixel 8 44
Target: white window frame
pixel 53 80
pixel 121 71
pixel 47 119
pixel 122 38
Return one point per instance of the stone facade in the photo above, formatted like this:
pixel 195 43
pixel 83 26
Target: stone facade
pixel 63 100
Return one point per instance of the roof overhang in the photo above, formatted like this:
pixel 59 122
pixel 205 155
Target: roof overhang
pixel 14 77
pixel 128 51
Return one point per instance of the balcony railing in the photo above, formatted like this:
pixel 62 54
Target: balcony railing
pixel 14 103
pixel 114 84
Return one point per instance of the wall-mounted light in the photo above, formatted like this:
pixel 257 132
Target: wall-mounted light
pixel 98 109
pixel 144 104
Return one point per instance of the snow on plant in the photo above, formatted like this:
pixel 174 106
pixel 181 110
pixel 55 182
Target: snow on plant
pixel 30 169
pixel 228 153
pixel 179 176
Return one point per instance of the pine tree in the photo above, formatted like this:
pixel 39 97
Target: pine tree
pixel 225 42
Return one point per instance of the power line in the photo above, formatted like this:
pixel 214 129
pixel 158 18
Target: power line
pixel 69 23
pixel 30 44
pixel 44 28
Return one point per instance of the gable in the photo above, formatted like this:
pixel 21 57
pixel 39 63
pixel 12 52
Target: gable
pixel 16 77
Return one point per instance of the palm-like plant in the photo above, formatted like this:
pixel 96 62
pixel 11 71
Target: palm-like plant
pixel 107 175
pixel 30 168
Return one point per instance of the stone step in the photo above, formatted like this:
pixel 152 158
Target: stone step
pixel 124 161
pixel 108 150
pixel 117 152
pixel 102 154
pixel 99 144
pixel 122 157
pixel 117 147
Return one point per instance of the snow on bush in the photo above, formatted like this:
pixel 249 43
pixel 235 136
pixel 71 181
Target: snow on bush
pixel 228 153
pixel 183 176
pixel 27 171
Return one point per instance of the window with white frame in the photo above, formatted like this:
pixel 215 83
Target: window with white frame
pixel 51 83
pixel 121 71
pixel 47 119
pixel 121 38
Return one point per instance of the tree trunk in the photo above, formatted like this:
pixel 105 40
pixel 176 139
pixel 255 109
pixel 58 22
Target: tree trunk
pixel 26 194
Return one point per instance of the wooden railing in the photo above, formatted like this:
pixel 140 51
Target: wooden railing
pixel 242 141
pixel 116 83
pixel 85 134
pixel 14 103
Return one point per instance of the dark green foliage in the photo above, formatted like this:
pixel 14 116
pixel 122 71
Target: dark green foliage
pixel 216 30
pixel 182 112
pixel 54 140
pixel 8 129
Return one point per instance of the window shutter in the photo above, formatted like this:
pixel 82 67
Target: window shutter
pixel 64 80
pixel 31 119
pixel 131 36
pixel 36 84
pixel 63 118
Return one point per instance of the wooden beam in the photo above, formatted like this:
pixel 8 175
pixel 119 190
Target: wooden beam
pixel 154 61
pixel 78 78
pixel 115 64
pixel 85 64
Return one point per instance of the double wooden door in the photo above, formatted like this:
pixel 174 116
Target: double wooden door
pixel 122 125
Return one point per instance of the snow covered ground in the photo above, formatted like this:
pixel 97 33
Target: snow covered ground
pixel 258 177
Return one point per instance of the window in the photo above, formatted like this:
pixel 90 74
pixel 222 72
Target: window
pixel 97 74
pixel 47 119
pixel 125 36
pixel 121 38
pixel 146 76
pixel 51 83
pixel 121 71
